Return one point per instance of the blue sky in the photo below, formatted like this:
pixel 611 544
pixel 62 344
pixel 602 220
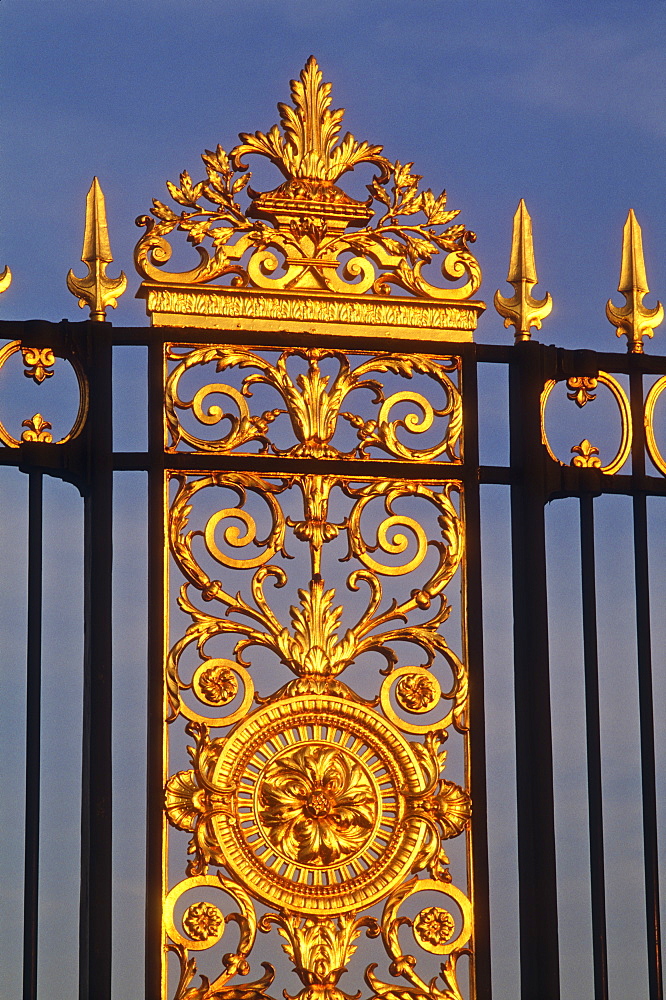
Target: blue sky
pixel 562 103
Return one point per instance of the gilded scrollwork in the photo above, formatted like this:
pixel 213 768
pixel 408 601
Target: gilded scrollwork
pixel 319 802
pixel 436 930
pixel 295 237
pixel 320 949
pixel 312 401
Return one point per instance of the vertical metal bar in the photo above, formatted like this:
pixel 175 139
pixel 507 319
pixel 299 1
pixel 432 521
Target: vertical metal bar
pixel 645 697
pixel 539 953
pixel 155 848
pixel 593 736
pixel 96 832
pixel 481 986
pixel 33 737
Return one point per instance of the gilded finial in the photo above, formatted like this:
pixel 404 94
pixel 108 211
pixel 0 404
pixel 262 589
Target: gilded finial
pixel 633 319
pixel 96 289
pixel 522 311
pixel 296 238
pixel 5 280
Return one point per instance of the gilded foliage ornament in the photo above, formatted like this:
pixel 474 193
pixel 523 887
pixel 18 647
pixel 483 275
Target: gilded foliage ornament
pixel 306 561
pixel 312 401
pixel 294 237
pixel 319 802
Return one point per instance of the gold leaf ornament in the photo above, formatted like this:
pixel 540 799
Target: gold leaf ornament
pixel 297 232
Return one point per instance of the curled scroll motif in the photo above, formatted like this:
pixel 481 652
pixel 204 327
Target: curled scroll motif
pixel 393 541
pixel 315 647
pixel 233 535
pixel 585 453
pixel 312 402
pixel 217 683
pixel 295 237
pixel 417 690
pixel 318 803
pixel 650 437
pixel 202 926
pixel 436 930
pixel 37 364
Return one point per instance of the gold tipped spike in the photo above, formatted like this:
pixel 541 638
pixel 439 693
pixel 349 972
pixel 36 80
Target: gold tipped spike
pixel 96 289
pixel 522 311
pixel 5 280
pixel 633 319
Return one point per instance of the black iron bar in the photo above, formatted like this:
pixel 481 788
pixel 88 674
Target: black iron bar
pixel 96 833
pixel 537 884
pixel 473 617
pixel 593 738
pixel 155 847
pixel 645 695
pixel 33 737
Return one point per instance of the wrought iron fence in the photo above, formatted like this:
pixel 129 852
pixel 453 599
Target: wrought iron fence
pixel 325 799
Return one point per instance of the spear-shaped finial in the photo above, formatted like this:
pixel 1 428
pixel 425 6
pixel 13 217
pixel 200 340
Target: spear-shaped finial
pixel 633 319
pixel 521 310
pixel 96 289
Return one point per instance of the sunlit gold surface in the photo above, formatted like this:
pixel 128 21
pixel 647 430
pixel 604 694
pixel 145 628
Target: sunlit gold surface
pixel 96 289
pixel 296 240
pixel 304 795
pixel 650 437
pixel 522 311
pixel 37 361
pixel 633 319
pixel 581 389
pixel 318 803
pixel 585 454
pixel 5 280
pixel 38 429
pixel 313 403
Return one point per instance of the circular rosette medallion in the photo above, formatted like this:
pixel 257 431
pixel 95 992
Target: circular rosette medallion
pixel 318 819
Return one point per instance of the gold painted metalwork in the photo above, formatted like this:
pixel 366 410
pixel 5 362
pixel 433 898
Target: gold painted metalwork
pixel 96 289
pixel 522 311
pixel 581 386
pixel 650 437
pixel 585 458
pixel 633 320
pixel 317 803
pixel 39 362
pixel 38 359
pixel 37 429
pixel 311 799
pixel 294 243
pixel 5 280
pixel 312 403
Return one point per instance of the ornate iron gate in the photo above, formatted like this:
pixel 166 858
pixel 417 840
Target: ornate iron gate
pixel 288 456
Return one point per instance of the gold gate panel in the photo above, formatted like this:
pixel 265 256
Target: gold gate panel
pixel 315 684
pixel 318 801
